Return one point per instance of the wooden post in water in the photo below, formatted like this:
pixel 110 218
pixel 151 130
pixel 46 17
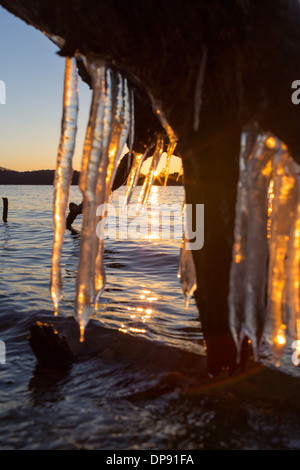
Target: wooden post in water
pixel 5 209
pixel 75 210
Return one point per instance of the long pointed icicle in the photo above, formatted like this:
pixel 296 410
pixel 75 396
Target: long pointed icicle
pixel 101 190
pixel 249 266
pixel 147 185
pixel 63 174
pixel 281 215
pixel 293 273
pixel 170 151
pixel 120 130
pixel 138 159
pixel 132 123
pixel 238 266
pixel 258 177
pixel 88 182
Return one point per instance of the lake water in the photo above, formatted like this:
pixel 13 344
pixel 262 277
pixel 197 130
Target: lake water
pixel 127 393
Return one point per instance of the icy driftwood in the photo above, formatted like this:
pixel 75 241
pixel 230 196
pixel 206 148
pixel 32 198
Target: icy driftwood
pixel 264 283
pixel 110 127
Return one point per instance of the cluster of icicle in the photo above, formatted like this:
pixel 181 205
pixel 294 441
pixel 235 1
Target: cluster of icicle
pixel 264 300
pixel 110 127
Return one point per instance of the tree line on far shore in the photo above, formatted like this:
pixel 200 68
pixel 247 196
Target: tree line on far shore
pixel 46 177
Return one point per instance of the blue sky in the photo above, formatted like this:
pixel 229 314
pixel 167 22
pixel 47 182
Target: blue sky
pixel 30 120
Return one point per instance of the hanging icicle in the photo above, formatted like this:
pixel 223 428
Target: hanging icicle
pixel 109 126
pixel 87 184
pixel 281 212
pixel 264 280
pixel 63 175
pixel 293 274
pixel 170 134
pixel 149 179
pixel 133 177
pixel 249 267
pixel 121 129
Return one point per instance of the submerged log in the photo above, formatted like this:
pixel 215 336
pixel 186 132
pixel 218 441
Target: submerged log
pixel 74 211
pixel 50 348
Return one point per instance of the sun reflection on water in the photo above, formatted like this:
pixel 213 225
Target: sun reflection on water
pixel 153 213
pixel 141 314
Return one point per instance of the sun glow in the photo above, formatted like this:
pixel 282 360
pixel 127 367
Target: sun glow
pixel 141 314
pixel 271 143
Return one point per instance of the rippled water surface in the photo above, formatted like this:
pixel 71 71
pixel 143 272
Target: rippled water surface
pixel 132 390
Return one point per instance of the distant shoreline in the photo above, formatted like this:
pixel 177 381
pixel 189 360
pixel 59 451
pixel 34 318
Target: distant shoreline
pixel 46 177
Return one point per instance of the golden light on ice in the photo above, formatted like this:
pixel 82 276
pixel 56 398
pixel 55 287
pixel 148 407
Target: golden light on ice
pixel 271 142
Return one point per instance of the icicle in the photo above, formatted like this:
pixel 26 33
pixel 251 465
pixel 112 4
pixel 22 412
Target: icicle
pixel 293 273
pixel 109 126
pixel 170 134
pixel 290 216
pixel 133 177
pixel 258 178
pixel 187 272
pixel 170 150
pixel 281 213
pixel 293 276
pixel 131 131
pixel 88 181
pixel 264 300
pixel 63 174
pixel 249 266
pixel 237 274
pixel 120 130
pixel 147 185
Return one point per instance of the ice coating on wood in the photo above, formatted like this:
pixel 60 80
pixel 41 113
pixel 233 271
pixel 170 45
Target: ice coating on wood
pixel 264 302
pixel 63 174
pixel 264 279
